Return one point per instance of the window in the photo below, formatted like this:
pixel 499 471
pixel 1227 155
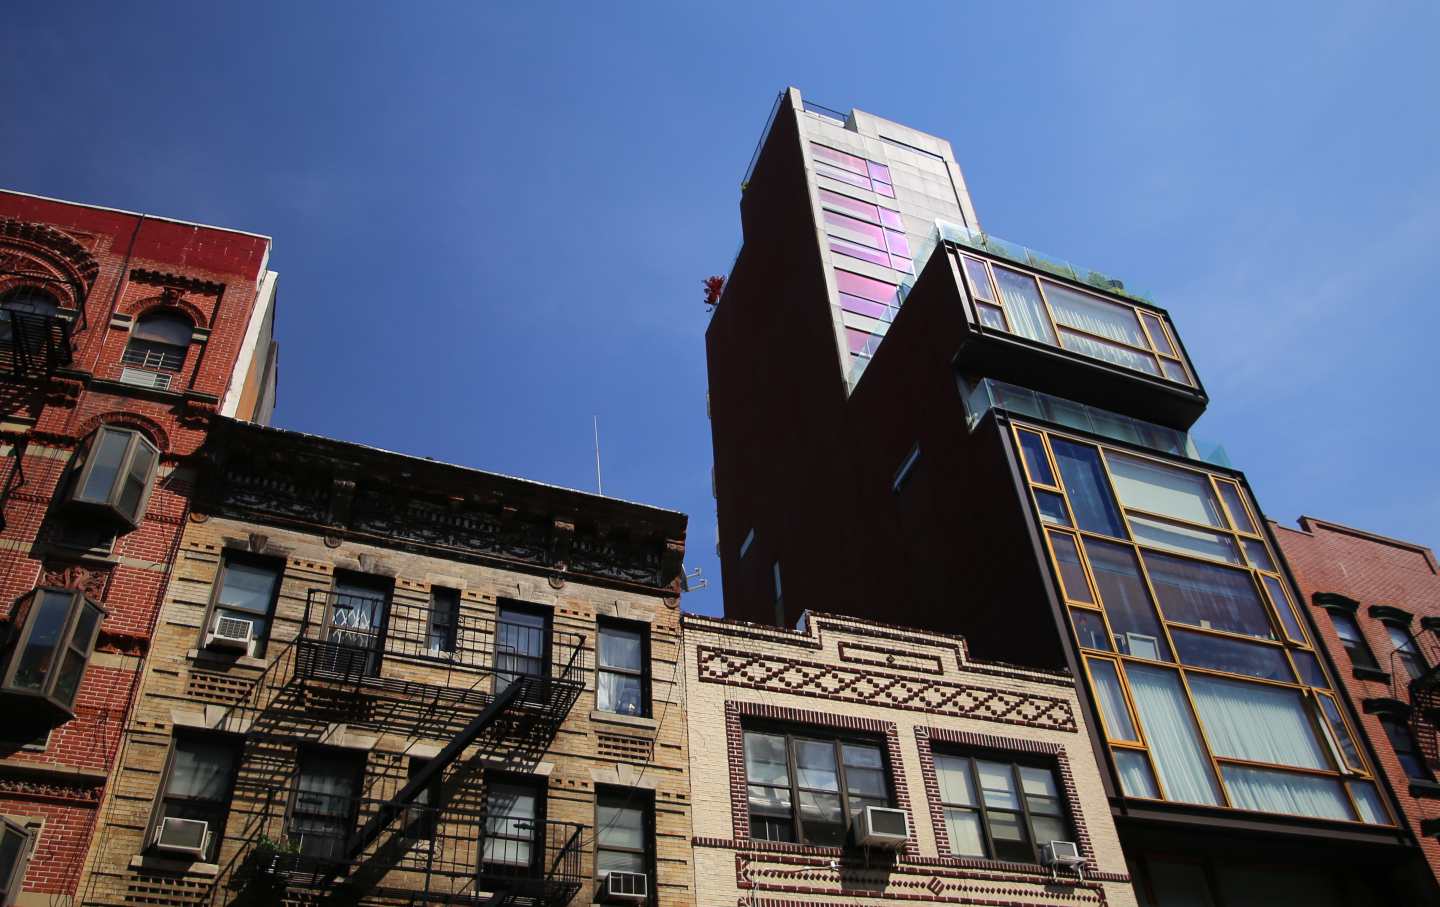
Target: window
pixel 747 542
pixel 514 820
pixel 16 842
pixel 356 622
pixel 158 342
pixel 522 645
pixel 808 788
pixel 245 594
pixel 199 781
pixel 1000 810
pixel 623 686
pixel 1353 640
pixel 1406 652
pixel 444 620
pixel 907 466
pixel 113 473
pixel 29 305
pixel 422 820
pixel 1402 740
pixel 322 813
pixel 779 590
pixel 624 832
pixel 51 636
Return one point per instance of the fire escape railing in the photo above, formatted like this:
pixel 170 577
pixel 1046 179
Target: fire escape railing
pixel 32 345
pixel 1422 692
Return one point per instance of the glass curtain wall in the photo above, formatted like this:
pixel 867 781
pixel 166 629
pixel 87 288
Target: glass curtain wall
pixel 1207 683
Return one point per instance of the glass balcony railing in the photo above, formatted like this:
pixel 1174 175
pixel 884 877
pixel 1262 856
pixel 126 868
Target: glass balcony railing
pixel 994 245
pixel 988 394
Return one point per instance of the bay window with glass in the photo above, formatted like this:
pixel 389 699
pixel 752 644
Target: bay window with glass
pixel 113 474
pixel 47 646
pixel 1206 681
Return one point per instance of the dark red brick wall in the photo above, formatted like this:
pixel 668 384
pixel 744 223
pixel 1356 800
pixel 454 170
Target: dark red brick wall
pixel 216 272
pixel 1371 570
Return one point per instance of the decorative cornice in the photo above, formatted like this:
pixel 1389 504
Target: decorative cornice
pixel 71 254
pixel 176 281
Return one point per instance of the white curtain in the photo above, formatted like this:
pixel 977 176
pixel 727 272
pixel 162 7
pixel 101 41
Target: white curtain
pixel 1135 775
pixel 1275 791
pixel 1174 742
pixel 1256 722
pixel 1368 799
pixel 1112 701
pixel 1024 306
pixel 1095 316
pixel 1109 352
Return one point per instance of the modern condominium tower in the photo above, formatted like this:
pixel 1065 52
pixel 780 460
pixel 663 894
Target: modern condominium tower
pixel 918 423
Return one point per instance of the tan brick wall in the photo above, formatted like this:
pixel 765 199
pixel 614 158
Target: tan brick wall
pixel 183 686
pixel 890 683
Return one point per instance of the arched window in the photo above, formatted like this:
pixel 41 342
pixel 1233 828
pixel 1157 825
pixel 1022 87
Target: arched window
pixel 158 342
pixel 25 300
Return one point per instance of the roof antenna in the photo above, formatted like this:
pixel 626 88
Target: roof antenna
pixel 599 488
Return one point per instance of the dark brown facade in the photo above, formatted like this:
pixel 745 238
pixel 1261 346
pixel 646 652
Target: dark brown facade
pixel 1011 464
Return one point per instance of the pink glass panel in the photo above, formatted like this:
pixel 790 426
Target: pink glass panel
pixel 902 264
pixel 884 189
pixel 861 306
pixel 844 176
pixel 891 219
pixel 864 209
pixel 858 340
pixel 855 250
pixel 880 172
pixel 866 287
pixel 839 158
pixel 898 243
pixel 871 232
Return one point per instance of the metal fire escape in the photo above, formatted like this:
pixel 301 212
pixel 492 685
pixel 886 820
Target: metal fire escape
pixel 1424 691
pixel 436 835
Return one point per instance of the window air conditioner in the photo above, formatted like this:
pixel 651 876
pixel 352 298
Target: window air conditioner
pixel 231 633
pixel 882 827
pixel 625 888
pixel 142 378
pixel 187 836
pixel 1061 853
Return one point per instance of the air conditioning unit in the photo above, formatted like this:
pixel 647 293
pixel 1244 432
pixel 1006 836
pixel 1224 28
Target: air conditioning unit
pixel 625 888
pixel 1061 853
pixel 187 836
pixel 231 633
pixel 882 827
pixel 142 378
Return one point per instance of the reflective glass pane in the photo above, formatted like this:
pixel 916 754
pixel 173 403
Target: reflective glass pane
pixel 891 219
pixel 201 770
pixel 607 861
pixel 136 480
pixel 1157 334
pixel 164 327
pixel 997 784
pixel 1175 744
pixel 1135 775
pixel 1049 828
pixel 1274 791
pixel 840 159
pixel 1007 831
pixel 1072 574
pixel 1037 464
pixel 248 587
pixel 765 761
pixel 621 826
pixel 864 307
pixel 898 243
pixel 621 648
pixel 1208 595
pixel 979 278
pixel 857 230
pixel 105 462
pixel 963 828
pixel 1219 546
pixel 1309 667
pixel 1094 315
pixel 867 287
pixel 856 250
pixel 1113 709
pixel 67 681
pixel 1163 489
pixel 772 801
pixel 1233 503
pixel 845 202
pixel 1340 733
pixel 1175 371
pixel 991 316
pixel 1256 554
pixel 884 189
pixel 879 172
pixel 1090 628
pixel 901 263
pixel 86 625
pixel 821 818
pixel 1052 508
pixel 815 765
pixel 1206 651
pixel 1367 800
pixel 1281 601
pixel 953 774
pixel 1256 722
pixel 1127 603
pixel 839 173
pixel 1088 490
pixel 1109 352
pixel 1022 302
pixel 39 654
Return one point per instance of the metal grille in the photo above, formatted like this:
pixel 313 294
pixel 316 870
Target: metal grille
pixel 158 356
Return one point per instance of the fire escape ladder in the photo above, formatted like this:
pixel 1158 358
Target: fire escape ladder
pixel 1425 691
pixel 435 767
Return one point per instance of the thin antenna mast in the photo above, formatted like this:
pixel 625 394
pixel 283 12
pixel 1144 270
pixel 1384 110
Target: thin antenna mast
pixel 599 488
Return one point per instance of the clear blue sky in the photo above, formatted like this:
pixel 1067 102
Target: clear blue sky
pixel 491 222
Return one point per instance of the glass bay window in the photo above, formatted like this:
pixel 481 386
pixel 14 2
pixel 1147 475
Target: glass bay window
pixel 51 636
pixel 1208 689
pixel 113 474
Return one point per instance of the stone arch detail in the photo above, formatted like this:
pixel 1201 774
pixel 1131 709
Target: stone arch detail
pixel 60 257
pixel 171 300
pixel 143 424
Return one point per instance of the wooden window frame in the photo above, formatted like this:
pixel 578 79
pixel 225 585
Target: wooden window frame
pixel 84 465
pixel 235 555
pixel 539 785
pixel 20 632
pixel 980 808
pixel 222 808
pixel 649 852
pixel 838 740
pixel 449 627
pixel 644 673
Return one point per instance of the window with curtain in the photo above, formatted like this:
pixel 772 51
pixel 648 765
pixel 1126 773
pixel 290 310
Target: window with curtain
pixel 1353 640
pixel 1175 744
pixel 514 823
pixel 1207 595
pixel 999 809
pixel 1023 306
pixel 623 682
pixel 1257 722
pixel 1094 315
pixel 198 785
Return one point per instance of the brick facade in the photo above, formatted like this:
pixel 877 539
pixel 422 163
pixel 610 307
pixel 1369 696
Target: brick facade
pixel 882 682
pixel 1377 580
pixel 102 269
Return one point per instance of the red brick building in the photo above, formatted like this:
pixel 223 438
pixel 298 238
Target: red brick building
pixel 121 336
pixel 1376 601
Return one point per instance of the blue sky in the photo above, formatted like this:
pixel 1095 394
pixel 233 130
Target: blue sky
pixel 491 222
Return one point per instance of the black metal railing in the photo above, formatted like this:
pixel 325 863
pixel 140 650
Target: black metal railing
pixel 1422 691
pixel 454 853
pixel 153 356
pixel 33 344
pixel 353 638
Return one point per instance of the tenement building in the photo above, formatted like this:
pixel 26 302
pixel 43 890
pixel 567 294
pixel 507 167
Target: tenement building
pixel 1376 601
pixel 381 679
pixel 121 337
pixel 848 762
pixel 917 422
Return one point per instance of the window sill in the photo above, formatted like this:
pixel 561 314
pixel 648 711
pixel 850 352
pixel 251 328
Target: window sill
pixel 216 660
pixel 1425 790
pixel 1374 674
pixel 635 721
pixel 204 870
